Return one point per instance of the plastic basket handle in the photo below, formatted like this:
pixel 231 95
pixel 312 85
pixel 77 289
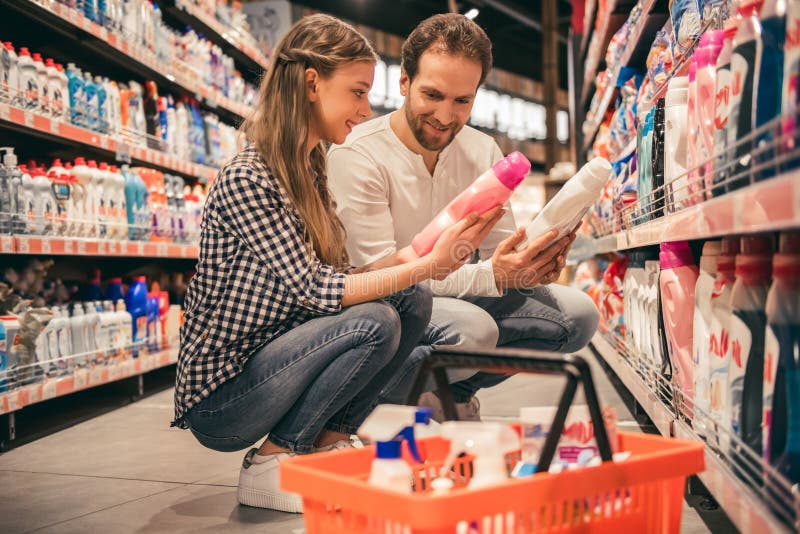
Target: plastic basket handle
pixel 574 368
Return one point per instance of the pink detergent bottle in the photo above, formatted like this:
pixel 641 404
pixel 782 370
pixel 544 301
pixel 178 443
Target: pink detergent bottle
pixel 711 46
pixel 677 280
pixel 492 188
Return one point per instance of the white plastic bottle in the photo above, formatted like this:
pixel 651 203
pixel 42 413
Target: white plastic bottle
pixel 105 202
pixel 44 203
pixel 64 339
pixel 124 320
pixel 109 328
pixel 9 84
pixel 98 183
pixel 93 328
pixel 41 75
pixel 28 80
pixel 113 110
pixel 567 208
pixel 55 98
pixel 701 332
pixel 62 193
pixel 719 344
pixel 675 145
pixel 80 335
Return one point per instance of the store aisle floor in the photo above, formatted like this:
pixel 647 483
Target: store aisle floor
pixel 127 471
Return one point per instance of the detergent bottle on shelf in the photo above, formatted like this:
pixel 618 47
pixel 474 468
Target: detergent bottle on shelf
pixel 782 361
pixel 677 281
pixel 701 327
pixel 706 83
pixel 490 189
pixel 28 80
pixel 388 426
pixel 136 303
pixel 9 83
pixel 722 108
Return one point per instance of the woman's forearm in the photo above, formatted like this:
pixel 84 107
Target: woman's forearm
pixel 376 284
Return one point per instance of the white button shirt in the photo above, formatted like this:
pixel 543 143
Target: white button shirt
pixel 385 196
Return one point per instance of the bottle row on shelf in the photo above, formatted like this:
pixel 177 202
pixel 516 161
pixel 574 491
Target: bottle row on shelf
pixel 136 113
pixel 45 342
pixel 87 200
pixel 140 23
pixel 717 340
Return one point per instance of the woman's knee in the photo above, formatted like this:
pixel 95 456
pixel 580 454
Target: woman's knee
pixel 415 301
pixel 376 324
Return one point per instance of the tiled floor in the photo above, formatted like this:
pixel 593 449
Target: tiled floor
pixel 127 471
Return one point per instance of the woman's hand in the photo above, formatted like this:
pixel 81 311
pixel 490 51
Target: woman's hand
pixel 458 243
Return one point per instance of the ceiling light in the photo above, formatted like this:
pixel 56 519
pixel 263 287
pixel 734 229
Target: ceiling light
pixel 472 13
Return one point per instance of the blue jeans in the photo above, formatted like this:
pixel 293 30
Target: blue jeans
pixel 551 317
pixel 325 374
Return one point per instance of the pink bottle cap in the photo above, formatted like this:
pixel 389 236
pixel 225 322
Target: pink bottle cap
pixel 675 254
pixel 511 170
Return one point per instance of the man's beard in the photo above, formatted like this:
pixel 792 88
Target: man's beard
pixel 417 125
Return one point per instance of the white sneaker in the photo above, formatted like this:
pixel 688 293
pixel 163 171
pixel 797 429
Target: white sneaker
pixel 337 446
pixel 259 484
pixel 467 411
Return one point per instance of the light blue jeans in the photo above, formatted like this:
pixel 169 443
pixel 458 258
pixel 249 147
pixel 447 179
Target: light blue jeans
pixel 324 374
pixel 551 317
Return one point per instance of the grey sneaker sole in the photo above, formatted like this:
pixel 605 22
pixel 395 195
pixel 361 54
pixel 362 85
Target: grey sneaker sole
pixel 292 504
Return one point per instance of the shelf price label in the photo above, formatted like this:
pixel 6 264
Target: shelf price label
pixel 46 248
pixel 162 250
pixel 49 390
pixel 123 152
pixel 24 246
pixel 81 378
pixel 101 248
pixel 6 244
pixel 96 375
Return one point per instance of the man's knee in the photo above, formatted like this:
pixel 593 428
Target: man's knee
pixel 584 317
pixel 464 324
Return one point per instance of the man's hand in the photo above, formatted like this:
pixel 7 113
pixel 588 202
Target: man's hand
pixel 535 264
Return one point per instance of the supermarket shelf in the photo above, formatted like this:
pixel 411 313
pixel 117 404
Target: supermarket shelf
pixel 117 148
pixel 12 401
pixel 766 206
pixel 74 246
pixel 651 20
pixel 175 76
pixel 231 41
pixel 744 507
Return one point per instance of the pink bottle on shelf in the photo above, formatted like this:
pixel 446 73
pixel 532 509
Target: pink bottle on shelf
pixel 692 156
pixel 490 189
pixel 677 280
pixel 707 55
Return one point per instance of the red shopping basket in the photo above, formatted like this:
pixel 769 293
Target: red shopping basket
pixel 641 494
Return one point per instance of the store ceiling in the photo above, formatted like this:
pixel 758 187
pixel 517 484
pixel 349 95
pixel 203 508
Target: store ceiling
pixel 517 45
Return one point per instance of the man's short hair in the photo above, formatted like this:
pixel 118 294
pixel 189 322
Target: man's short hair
pixel 448 33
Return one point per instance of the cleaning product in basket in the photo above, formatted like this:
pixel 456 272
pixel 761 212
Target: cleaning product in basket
pixel 577 437
pixel 719 344
pixel 388 425
pixel 487 442
pixel 768 96
pixel 677 282
pixel 745 65
pixel 573 200
pixel 781 427
pixel 701 326
pixel 490 189
pixel 748 325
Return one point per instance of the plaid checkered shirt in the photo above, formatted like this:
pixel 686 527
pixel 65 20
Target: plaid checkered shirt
pixel 256 279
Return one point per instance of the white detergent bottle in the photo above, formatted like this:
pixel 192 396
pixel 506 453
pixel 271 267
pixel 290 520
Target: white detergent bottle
pixel 41 75
pixel 52 85
pixel 388 425
pixel 719 344
pixel 105 200
pixel 62 192
pixel 125 321
pixel 701 327
pixel 487 442
pixel 44 203
pixel 28 80
pixel 9 83
pixel 61 96
pixel 92 326
pixel 64 338
pixel 88 212
pixel 113 110
pixel 675 143
pixel 120 210
pixel 80 335
pixel 567 208
pixel 109 323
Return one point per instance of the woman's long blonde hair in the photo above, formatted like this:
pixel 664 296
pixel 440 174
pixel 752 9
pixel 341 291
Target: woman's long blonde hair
pixel 279 125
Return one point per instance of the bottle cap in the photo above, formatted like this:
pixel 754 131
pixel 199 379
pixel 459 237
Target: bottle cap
pixel 142 279
pixel 511 170
pixel 757 245
pixel 80 161
pixel 789 243
pixel 92 164
pixel 675 254
pixel 750 7
pixel 24 52
pixel 731 25
pixel 387 450
pixel 730 246
pixel 116 280
pixel 37 57
pixel 712 248
pixel 49 62
pixel 103 166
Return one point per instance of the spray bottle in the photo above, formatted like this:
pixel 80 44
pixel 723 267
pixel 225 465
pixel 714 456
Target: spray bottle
pixel 487 442
pixel 388 425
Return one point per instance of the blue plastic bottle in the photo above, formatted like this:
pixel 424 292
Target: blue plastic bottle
pixel 89 10
pixel 153 340
pixel 782 361
pixel 77 104
pixel 102 118
pixel 3 357
pixel 136 303
pixel 90 102
pixel 768 101
pixel 93 289
pixel 114 290
pixel 131 189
